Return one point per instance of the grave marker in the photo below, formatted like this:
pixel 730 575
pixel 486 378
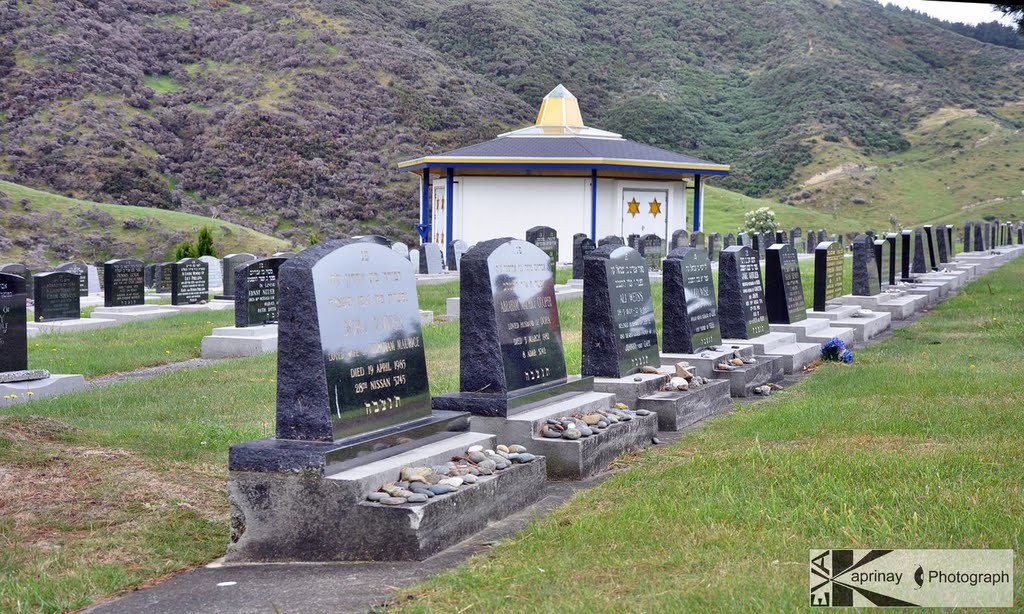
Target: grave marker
pixel 22 271
pixel 619 333
pixel 741 308
pixel 256 292
pixel 546 239
pixel 80 269
pixel 652 248
pixel 57 296
pixel 680 238
pixel 932 256
pixel 610 240
pixel 431 262
pixel 828 273
pixel 714 245
pixel 894 258
pixel 230 263
pixel 784 290
pixel 189 282
pixel 920 252
pixel 123 283
pixel 690 310
pixel 906 254
pixel 582 245
pixel 865 270
pixel 883 261
pixel 13 328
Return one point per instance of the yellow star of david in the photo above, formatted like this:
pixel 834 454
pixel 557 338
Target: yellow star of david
pixel 655 207
pixel 633 207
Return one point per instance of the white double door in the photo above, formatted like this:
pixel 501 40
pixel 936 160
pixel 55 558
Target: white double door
pixel 644 212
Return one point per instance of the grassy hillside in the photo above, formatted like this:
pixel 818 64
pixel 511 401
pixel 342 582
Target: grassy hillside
pixel 962 165
pixel 724 210
pixel 40 228
pixel 290 117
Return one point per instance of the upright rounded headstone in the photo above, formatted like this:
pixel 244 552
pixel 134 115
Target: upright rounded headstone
pixel 13 326
pixel 652 249
pixel 619 332
pixel 784 290
pixel 689 307
pixel 229 265
pixel 350 349
pixel 680 238
pixel 124 283
pixel 741 308
pixel 610 240
pixel 546 239
pixel 21 271
pixel 78 268
pixel 215 271
pixel 581 246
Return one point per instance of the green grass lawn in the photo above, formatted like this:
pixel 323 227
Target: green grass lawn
pixel 917 444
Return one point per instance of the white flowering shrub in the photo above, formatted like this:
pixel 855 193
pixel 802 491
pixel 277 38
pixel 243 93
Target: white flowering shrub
pixel 762 220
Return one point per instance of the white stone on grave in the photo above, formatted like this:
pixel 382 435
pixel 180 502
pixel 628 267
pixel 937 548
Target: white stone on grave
pixel 134 313
pixel 414 259
pixel 234 342
pixel 216 271
pixel 93 280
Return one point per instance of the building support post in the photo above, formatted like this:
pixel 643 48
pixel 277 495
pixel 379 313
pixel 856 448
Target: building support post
pixel 593 205
pixel 423 228
pixel 449 198
pixel 698 203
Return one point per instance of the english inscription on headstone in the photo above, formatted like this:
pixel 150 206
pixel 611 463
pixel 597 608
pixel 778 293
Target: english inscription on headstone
pixel 582 245
pixel 619 333
pixel 57 296
pixel 784 290
pixel 80 269
pixel 828 273
pixel 123 283
pixel 741 308
pixel 190 282
pixel 350 347
pixel 688 303
pixel 865 271
pixel 256 292
pixel 13 331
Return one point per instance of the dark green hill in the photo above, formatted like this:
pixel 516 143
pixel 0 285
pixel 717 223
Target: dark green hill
pixel 290 116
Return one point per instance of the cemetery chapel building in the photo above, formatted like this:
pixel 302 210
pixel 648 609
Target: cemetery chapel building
pixel 558 173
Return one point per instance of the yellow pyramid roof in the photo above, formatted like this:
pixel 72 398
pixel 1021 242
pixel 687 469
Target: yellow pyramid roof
pixel 560 108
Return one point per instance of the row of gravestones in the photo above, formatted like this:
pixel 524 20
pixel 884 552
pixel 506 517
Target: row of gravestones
pixel 987 235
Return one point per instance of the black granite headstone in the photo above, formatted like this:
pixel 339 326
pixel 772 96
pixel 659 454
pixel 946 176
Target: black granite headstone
pixel 968 228
pixel 698 240
pixel 546 238
pixel 190 282
pixel 741 308
pixel 350 348
pixel 743 240
pixel 865 271
pixel 147 273
pixel 828 273
pixel 13 330
pixel 282 254
pixel 124 283
pixel 796 238
pixel 57 297
pixel 582 245
pixel 949 241
pixel 784 289
pixel 230 263
pixel 978 232
pixel 21 271
pixel 941 247
pixel 714 246
pixel 680 238
pixel 728 241
pixel 431 262
pixel 689 307
pixel 619 333
pixel 894 258
pixel 652 248
pixel 511 341
pixel 80 269
pixel 758 248
pixel 822 237
pixel 883 260
pixel 610 240
pixel 256 292
pixel 930 252
pixel 1020 233
pixel 920 252
pixel 632 239
pixel 811 243
pixel 781 237
pixel 906 255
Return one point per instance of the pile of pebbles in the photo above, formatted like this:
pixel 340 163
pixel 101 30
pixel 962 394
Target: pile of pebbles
pixel 579 426
pixel 684 379
pixel 734 362
pixel 419 484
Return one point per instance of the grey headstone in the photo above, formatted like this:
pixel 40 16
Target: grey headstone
pixel 865 271
pixel 741 308
pixel 689 307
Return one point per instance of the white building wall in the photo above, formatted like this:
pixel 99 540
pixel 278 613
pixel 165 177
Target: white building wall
pixel 490 207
